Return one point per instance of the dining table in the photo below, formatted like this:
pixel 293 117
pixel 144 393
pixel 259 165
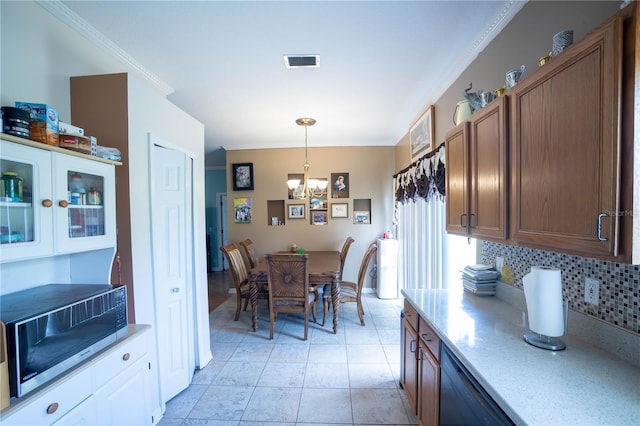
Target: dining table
pixel 323 267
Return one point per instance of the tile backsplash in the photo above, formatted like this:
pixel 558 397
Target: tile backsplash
pixel 619 282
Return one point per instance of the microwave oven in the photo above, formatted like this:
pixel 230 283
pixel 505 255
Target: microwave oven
pixel 54 327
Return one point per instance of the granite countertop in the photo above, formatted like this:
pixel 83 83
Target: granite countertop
pixel 579 385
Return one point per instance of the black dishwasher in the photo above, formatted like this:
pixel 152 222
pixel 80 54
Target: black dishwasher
pixel 462 400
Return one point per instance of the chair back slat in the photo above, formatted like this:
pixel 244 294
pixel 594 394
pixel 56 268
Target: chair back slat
pixel 236 264
pixel 344 252
pixel 250 251
pixel 362 274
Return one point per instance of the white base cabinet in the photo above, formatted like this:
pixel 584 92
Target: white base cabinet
pixel 111 389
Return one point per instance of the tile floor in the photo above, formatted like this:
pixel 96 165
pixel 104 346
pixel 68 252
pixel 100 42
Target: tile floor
pixel 349 378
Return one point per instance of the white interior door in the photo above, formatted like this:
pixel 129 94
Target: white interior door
pixel 172 244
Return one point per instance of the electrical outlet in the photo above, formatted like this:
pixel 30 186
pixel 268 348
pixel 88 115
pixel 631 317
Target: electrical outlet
pixel 591 291
pixel 499 263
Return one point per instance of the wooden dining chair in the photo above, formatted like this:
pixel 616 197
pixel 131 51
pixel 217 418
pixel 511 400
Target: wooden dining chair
pixel 240 276
pixel 288 278
pixel 350 291
pixel 250 251
pixel 326 290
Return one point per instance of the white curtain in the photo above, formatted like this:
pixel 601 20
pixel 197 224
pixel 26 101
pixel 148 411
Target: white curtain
pixel 422 242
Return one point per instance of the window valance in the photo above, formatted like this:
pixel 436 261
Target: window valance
pixel 424 178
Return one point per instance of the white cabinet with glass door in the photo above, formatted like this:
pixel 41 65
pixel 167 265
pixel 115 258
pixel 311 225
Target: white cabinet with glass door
pixel 25 202
pixel 53 202
pixel 84 217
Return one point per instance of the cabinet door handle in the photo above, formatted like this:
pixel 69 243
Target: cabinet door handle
pixel 599 232
pixel 47 203
pixel 126 356
pixel 63 203
pixel 471 216
pixel 424 336
pixel 412 346
pixel 462 224
pixel 52 408
pixel 175 290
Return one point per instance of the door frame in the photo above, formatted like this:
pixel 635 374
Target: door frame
pixel 189 258
pixel 222 231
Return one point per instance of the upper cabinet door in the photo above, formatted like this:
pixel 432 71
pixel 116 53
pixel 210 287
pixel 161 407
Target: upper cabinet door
pixel 457 186
pixel 488 171
pixel 84 192
pixel 26 207
pixel 565 149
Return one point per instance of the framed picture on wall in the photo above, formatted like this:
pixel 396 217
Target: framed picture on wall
pixel 296 211
pixel 339 185
pixel 319 217
pixel 360 217
pixel 242 210
pixel 421 134
pixel 242 176
pixel 339 210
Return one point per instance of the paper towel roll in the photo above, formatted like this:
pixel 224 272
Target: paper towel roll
pixel 543 294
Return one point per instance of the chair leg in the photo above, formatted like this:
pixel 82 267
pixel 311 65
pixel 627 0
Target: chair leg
pixel 306 325
pixel 246 302
pixel 238 306
pixel 361 313
pixel 272 320
pixel 325 310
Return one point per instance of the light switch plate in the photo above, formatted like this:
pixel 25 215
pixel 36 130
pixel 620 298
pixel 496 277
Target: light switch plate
pixel 592 291
pixel 499 263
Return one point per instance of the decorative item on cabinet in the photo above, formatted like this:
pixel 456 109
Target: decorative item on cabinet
pixel 462 112
pixel 512 77
pixel 561 41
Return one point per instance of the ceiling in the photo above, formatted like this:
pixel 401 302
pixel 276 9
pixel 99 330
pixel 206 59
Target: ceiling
pixel 381 62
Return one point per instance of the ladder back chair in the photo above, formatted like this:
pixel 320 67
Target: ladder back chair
pixel 350 291
pixel 240 276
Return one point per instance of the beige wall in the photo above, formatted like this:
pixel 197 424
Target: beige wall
pixel 525 39
pixel 370 171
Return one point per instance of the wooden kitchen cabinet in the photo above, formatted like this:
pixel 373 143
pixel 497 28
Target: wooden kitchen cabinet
pixel 457 180
pixel 565 149
pixel 476 158
pixel 409 358
pixel 421 366
pixel 428 375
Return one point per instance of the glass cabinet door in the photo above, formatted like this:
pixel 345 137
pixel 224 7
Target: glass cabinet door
pixel 85 211
pixel 85 208
pixel 25 202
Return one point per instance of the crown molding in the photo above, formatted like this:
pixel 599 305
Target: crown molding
pixel 500 21
pixel 75 22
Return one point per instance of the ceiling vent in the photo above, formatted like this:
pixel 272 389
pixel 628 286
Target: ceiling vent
pixel 302 61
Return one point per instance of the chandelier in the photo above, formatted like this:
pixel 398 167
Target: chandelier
pixel 311 187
